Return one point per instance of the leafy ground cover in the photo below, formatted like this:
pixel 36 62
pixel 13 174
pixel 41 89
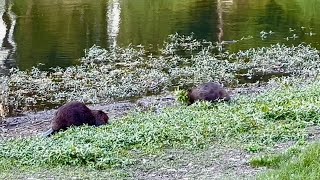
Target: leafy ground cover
pixel 300 162
pixel 253 122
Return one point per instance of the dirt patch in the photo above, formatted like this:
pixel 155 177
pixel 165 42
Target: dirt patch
pixel 215 162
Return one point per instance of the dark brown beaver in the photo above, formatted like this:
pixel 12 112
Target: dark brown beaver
pixel 76 114
pixel 208 92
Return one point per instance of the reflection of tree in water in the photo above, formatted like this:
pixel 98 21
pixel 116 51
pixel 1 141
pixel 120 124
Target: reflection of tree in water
pixel 203 21
pixel 277 19
pixel 7 20
pixel 113 21
pixel 8 46
pixel 222 6
pixel 55 33
pixel 274 14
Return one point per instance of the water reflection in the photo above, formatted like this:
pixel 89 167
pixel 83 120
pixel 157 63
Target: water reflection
pixel 113 16
pixel 222 7
pixel 8 46
pixel 56 32
pixel 2 23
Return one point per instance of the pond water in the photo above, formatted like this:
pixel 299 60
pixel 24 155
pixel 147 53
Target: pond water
pixel 56 32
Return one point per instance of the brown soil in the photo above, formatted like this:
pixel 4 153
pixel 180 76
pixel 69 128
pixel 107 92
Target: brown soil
pixel 216 162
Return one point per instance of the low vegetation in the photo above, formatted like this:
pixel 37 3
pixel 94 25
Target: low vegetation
pixel 297 163
pixel 275 161
pixel 255 122
pixel 122 73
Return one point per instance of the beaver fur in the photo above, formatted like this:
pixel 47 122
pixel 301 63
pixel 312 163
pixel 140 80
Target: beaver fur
pixel 211 92
pixel 75 114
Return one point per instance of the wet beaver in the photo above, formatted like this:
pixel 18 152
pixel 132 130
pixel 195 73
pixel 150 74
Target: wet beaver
pixel 75 114
pixel 211 92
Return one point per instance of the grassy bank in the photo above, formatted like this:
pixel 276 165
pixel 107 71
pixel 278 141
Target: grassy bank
pixel 254 121
pixel 296 163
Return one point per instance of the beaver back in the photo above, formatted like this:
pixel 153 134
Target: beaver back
pixel 208 92
pixel 73 113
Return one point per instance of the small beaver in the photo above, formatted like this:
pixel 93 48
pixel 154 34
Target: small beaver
pixel 211 92
pixel 75 114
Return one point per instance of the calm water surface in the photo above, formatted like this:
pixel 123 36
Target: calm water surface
pixel 56 32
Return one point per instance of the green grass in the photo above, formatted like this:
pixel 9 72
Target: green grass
pixel 255 122
pixel 275 160
pixel 304 163
pixel 63 173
